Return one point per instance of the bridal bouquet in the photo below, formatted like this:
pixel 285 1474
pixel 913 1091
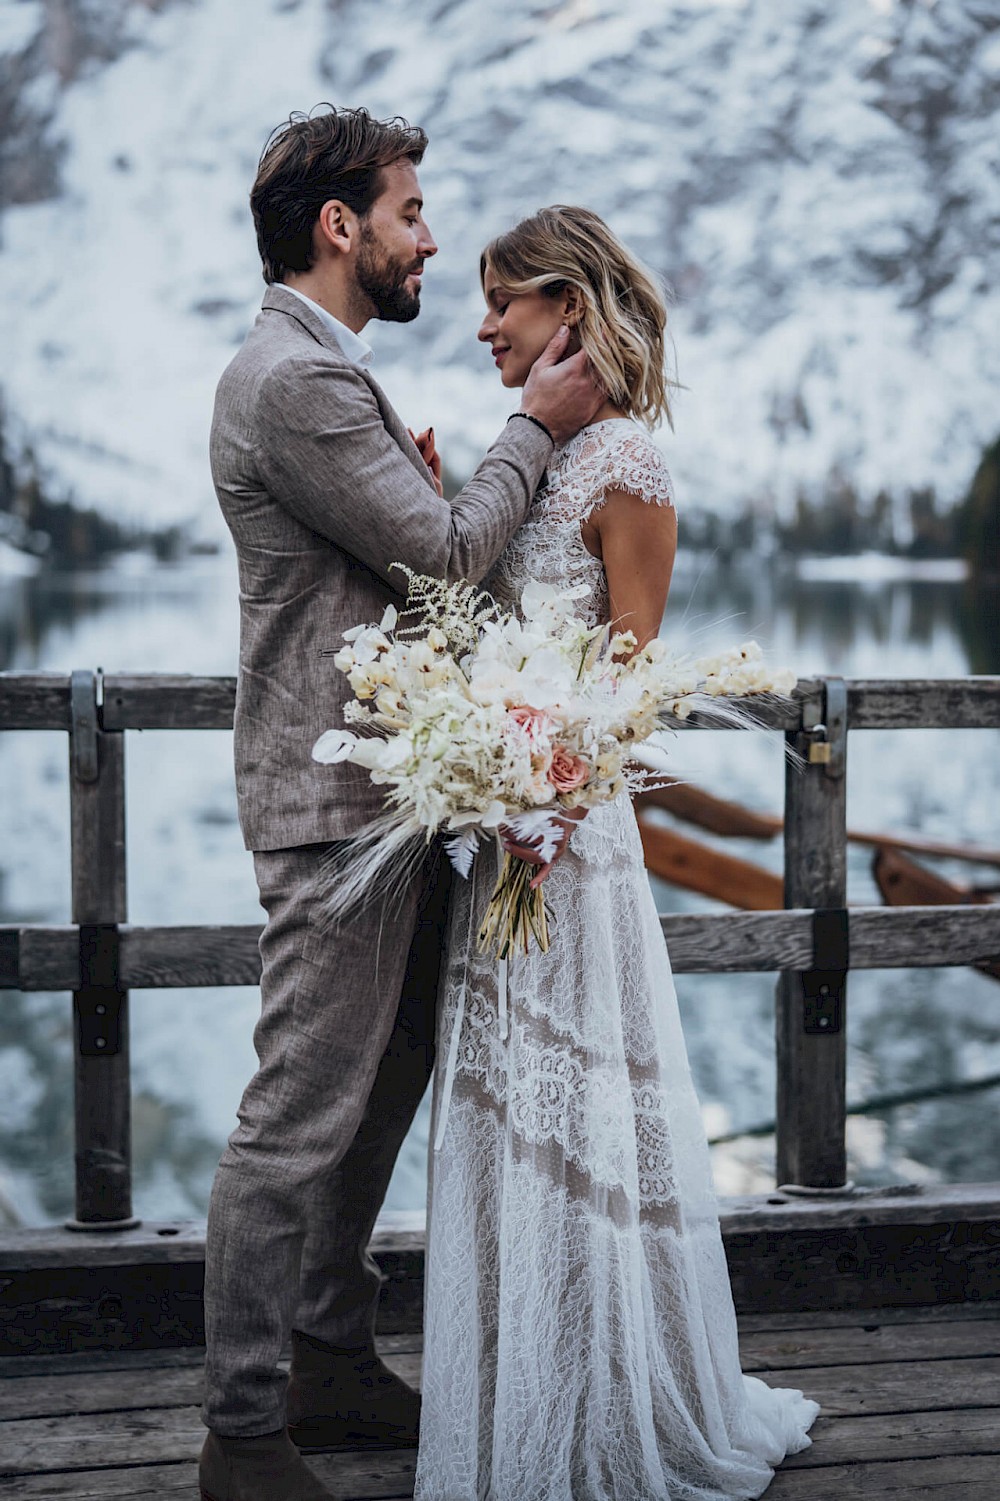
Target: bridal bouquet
pixel 475 722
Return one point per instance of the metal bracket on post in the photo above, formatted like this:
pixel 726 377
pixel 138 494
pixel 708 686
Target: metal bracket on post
pixel 83 718
pixel 823 985
pixel 825 738
pixel 99 999
pixel 10 959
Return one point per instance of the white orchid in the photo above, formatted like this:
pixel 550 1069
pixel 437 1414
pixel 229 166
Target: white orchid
pixel 333 746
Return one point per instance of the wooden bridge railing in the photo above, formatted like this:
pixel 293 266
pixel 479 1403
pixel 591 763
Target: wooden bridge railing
pixel 812 944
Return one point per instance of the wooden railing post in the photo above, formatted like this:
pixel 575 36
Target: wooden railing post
pixel 103 1104
pixel 811 1015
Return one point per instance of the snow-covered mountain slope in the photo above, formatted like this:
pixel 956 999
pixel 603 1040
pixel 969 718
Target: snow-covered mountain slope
pixel 819 184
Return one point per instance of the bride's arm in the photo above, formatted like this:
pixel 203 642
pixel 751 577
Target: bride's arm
pixel 637 543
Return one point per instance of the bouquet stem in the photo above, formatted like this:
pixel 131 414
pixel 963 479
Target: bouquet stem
pixel 516 914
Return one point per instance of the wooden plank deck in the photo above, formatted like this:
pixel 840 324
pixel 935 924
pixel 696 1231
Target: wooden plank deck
pixel 910 1398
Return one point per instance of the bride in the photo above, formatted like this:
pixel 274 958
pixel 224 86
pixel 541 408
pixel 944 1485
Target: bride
pixel 580 1337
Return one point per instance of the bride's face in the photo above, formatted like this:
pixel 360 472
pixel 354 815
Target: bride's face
pixel 518 326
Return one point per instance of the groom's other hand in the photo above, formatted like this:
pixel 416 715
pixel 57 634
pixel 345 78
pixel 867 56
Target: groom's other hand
pixel 429 454
pixel 562 392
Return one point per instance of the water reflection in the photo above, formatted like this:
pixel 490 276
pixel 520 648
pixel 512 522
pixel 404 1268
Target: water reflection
pixel 978 608
pixel 836 621
pixel 186 863
pixel 36 1119
pixel 32 611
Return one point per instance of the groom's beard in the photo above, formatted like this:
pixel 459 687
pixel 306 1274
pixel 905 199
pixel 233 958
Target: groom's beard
pixel 383 281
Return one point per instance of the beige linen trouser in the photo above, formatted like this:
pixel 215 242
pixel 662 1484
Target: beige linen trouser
pixel 345 1043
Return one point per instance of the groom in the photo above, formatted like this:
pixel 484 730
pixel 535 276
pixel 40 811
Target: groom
pixel 323 490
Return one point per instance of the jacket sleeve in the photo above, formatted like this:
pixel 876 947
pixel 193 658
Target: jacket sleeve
pixel 325 455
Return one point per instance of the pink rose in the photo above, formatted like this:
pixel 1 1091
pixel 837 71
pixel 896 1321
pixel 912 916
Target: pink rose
pixel 535 722
pixel 567 771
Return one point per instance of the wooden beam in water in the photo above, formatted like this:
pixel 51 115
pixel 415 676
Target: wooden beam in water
pixel 716 814
pixel 733 821
pixel 940 848
pixel 902 880
pixel 698 867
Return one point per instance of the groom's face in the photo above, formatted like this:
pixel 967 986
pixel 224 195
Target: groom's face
pixel 393 243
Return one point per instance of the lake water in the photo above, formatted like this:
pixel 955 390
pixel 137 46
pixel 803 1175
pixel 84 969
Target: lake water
pixel 191 1050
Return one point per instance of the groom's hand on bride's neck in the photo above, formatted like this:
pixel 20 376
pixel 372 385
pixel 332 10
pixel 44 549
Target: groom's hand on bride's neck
pixel 561 390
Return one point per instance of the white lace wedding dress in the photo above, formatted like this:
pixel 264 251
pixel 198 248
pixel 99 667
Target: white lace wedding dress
pixel 580 1338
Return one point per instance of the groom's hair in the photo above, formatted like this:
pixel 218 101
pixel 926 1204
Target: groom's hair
pixel 312 158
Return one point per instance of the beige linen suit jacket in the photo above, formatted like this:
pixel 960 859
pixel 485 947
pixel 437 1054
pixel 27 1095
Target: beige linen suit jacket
pixel 323 489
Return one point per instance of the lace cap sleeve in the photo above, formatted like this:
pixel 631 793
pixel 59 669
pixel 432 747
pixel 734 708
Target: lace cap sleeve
pixel 634 463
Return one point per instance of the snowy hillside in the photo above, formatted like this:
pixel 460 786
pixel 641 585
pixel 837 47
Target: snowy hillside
pixel 819 184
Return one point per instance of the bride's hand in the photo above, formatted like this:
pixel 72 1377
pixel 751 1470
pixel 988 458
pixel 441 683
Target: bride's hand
pixel 528 850
pixel 429 454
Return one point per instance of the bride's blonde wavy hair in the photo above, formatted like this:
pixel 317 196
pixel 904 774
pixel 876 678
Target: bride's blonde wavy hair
pixel 622 312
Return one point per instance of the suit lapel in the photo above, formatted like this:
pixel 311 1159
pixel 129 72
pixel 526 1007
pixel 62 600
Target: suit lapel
pixel 395 426
pixel 278 299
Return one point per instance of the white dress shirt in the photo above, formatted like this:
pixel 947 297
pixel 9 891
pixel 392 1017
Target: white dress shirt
pixel 352 346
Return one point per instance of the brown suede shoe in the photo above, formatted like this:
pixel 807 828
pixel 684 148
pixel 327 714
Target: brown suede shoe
pixel 347 1399
pixel 268 1468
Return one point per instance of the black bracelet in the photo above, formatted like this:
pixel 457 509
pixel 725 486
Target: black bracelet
pixel 536 420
